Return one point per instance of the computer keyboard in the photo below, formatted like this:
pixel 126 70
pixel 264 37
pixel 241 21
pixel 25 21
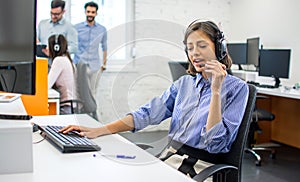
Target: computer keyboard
pixel 260 85
pixel 70 142
pixel 253 83
pixel 265 86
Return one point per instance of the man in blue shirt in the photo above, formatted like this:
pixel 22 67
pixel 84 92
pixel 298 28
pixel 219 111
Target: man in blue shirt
pixel 57 25
pixel 91 35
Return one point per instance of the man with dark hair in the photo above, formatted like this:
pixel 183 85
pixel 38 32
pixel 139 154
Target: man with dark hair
pixel 91 36
pixel 57 25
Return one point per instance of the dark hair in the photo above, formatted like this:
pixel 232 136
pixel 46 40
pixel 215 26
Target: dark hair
pixel 212 31
pixel 63 47
pixel 58 3
pixel 92 4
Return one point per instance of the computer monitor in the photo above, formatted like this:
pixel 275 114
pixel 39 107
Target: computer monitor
pixel 238 53
pixel 17 46
pixel 253 51
pixel 274 63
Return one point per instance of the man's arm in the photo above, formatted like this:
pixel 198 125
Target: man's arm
pixel 104 49
pixel 103 67
pixel 72 37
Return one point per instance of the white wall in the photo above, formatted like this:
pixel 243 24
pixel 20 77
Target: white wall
pixel 276 22
pixel 164 34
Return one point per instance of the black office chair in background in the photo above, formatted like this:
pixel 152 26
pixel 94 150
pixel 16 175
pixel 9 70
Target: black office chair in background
pixel 86 102
pixel 178 69
pixel 259 114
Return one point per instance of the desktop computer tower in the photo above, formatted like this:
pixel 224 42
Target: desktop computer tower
pixel 16 146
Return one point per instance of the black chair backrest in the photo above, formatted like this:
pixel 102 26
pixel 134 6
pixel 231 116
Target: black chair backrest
pixel 84 88
pixel 178 69
pixel 235 156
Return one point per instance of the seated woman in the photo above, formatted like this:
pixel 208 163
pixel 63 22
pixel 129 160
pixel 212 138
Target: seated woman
pixel 63 72
pixel 206 106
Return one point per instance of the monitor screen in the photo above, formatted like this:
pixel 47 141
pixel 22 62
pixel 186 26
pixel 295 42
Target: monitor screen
pixel 237 52
pixel 17 46
pixel 274 62
pixel 253 51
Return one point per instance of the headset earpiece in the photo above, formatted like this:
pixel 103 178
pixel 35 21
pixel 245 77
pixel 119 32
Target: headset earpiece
pixel 221 46
pixel 56 46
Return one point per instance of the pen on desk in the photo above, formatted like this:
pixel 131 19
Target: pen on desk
pixel 118 156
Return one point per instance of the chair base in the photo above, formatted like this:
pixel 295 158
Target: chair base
pixel 272 151
pixel 257 156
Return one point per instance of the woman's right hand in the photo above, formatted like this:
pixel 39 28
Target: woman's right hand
pixel 83 131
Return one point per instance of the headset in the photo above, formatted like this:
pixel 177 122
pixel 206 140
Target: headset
pixel 220 42
pixel 56 46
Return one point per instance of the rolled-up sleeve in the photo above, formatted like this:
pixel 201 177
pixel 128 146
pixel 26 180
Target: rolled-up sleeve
pixel 157 110
pixel 104 41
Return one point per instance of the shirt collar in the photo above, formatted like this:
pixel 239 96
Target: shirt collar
pixel 59 22
pixel 201 81
pixel 86 23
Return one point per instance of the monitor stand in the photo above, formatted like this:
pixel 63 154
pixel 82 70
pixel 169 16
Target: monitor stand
pixel 277 82
pixel 240 67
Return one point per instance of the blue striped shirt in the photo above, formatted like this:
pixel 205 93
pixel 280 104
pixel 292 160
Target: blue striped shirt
pixel 187 101
pixel 90 39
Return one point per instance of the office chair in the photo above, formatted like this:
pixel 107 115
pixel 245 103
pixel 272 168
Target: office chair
pixel 178 69
pixel 86 102
pixel 226 166
pixel 259 115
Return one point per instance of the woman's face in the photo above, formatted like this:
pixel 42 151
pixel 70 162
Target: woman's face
pixel 200 49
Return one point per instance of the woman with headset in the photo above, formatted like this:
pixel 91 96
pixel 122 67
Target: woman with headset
pixel 63 72
pixel 203 105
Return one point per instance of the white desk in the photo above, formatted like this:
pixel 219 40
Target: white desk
pixel 52 165
pixel 14 107
pixel 281 92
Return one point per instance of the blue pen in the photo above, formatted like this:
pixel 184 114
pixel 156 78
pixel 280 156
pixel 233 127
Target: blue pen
pixel 118 156
pixel 125 156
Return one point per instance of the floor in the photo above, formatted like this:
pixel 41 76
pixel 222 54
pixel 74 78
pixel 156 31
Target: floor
pixel 123 87
pixel 284 168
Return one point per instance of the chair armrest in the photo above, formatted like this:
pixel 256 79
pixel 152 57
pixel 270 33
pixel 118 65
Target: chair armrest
pixel 71 101
pixel 75 108
pixel 211 170
pixel 144 146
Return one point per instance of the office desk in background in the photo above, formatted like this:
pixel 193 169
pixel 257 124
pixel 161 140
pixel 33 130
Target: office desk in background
pixel 53 102
pixel 284 104
pixel 52 165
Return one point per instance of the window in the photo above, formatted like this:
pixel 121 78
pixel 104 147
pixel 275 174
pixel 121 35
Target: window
pixel 113 14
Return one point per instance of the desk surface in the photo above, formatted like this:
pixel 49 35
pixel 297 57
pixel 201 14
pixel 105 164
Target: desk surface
pixel 52 165
pixel 253 76
pixel 281 92
pixel 53 94
pixel 14 107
